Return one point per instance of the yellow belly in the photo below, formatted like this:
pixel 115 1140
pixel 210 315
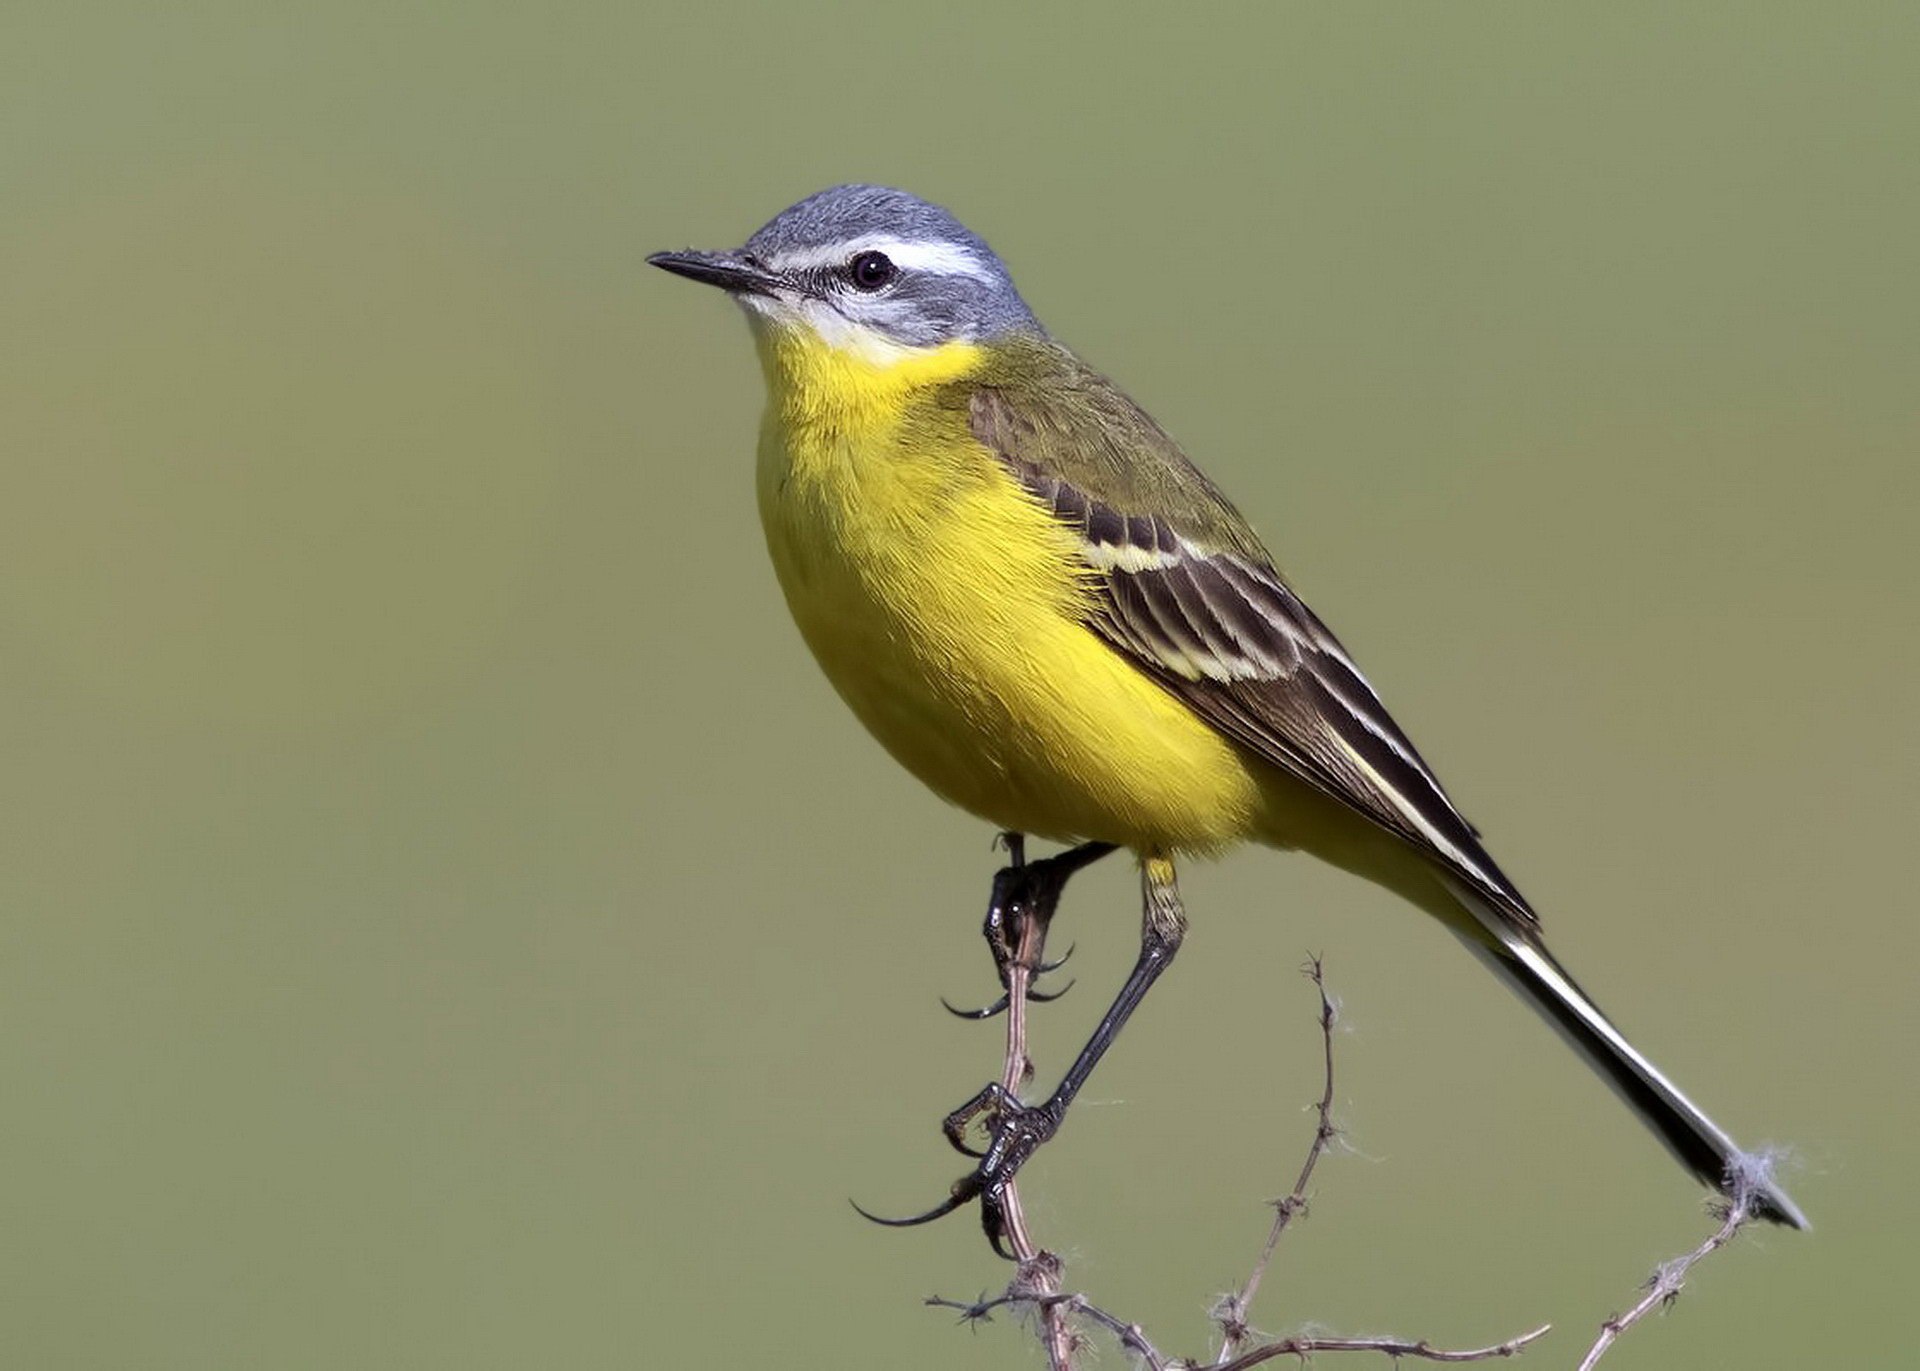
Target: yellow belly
pixel 945 606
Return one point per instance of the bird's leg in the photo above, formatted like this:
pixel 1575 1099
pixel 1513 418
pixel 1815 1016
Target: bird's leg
pixel 1026 891
pixel 1019 913
pixel 1017 1130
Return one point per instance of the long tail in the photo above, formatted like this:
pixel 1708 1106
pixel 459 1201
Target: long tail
pixel 1699 1144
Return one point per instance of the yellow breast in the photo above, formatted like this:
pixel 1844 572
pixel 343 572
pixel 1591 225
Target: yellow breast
pixel 946 606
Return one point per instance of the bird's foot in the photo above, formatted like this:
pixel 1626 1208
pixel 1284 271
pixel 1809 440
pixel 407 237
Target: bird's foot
pixel 1015 1131
pixel 1027 893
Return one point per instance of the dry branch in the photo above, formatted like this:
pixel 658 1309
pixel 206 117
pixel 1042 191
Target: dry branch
pixel 1064 1319
pixel 1038 1284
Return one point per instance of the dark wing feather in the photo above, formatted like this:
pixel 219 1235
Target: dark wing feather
pixel 1221 630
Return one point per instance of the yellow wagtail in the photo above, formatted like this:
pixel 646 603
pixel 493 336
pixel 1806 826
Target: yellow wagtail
pixel 1044 610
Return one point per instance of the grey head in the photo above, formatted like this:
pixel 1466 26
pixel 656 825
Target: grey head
pixel 861 265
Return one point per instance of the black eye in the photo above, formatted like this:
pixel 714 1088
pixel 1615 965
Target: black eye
pixel 871 270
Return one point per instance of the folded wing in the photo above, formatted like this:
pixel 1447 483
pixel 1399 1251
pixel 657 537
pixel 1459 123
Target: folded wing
pixel 1210 618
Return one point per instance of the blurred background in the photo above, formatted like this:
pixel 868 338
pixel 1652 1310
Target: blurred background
pixel 449 922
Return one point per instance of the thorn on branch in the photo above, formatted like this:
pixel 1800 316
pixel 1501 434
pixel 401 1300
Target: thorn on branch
pixel 971 1312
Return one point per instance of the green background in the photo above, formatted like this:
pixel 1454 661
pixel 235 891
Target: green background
pixel 446 921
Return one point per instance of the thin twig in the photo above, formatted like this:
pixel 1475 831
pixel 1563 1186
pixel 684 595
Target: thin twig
pixel 1130 1336
pixel 1389 1347
pixel 1747 1177
pixel 1235 1311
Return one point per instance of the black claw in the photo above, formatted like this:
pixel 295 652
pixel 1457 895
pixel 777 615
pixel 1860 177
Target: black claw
pixel 993 1212
pixel 1046 968
pixel 1048 997
pixel 964 1190
pixel 993 1222
pixel 999 1006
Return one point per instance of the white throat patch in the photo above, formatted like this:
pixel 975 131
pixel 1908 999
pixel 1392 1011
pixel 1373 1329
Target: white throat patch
pixel 829 327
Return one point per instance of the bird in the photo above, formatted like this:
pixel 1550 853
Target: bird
pixel 1031 597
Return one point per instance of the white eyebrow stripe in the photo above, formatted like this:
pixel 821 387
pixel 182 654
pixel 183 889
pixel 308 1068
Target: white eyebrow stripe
pixel 940 259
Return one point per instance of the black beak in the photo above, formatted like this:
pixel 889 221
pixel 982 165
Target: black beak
pixel 731 271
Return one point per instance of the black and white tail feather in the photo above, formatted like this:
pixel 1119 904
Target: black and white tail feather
pixel 1695 1140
